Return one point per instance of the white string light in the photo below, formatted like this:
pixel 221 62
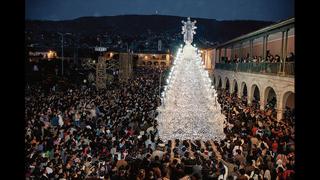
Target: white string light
pixel 189 107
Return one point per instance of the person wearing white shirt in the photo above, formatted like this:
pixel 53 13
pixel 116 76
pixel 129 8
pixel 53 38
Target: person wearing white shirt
pixel 225 175
pixel 255 175
pixel 234 151
pixel 60 120
pixel 150 142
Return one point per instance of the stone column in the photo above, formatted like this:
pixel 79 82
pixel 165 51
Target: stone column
pixel 251 47
pixel 223 81
pixel 285 50
pixel 262 100
pixel 280 107
pixel 240 91
pixel 282 53
pixel 282 46
pixel 240 51
pixel 249 100
pixel 225 53
pixel 250 94
pixel 232 53
pixel 280 112
pixel 216 60
pixel 231 90
pixel 266 46
pixel 263 48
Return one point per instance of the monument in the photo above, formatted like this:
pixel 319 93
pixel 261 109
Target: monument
pixel 189 107
pixel 188 30
pixel 101 73
pixel 125 69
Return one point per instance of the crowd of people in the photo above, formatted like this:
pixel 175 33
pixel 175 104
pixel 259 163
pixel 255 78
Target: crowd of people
pixel 70 133
pixel 257 145
pixel 270 58
pixel 82 133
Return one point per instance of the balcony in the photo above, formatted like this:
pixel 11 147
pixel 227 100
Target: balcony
pixel 279 69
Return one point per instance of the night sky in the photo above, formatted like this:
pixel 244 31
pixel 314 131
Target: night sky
pixel 270 10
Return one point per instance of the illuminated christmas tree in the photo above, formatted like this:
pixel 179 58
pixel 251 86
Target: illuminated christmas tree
pixel 189 109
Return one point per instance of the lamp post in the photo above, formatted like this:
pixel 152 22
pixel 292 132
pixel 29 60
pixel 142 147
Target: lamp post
pixel 62 56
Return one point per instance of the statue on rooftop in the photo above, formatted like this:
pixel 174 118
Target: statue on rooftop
pixel 188 30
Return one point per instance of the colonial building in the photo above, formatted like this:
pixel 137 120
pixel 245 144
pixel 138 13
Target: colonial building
pixel 155 59
pixel 146 58
pixel 243 66
pixel 207 55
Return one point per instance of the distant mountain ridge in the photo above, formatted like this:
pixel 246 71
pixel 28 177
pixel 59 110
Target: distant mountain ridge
pixel 136 25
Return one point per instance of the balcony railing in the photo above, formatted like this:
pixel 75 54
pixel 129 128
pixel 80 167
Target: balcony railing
pixel 283 69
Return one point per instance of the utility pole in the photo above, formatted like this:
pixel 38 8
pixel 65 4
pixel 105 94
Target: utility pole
pixel 62 58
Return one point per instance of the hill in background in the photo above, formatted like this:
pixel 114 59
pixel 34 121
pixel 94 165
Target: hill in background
pixel 135 25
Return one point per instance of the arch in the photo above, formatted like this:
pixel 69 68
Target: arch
pixel 149 63
pixel 235 86
pixel 255 92
pixel 270 97
pixel 288 100
pixel 219 82
pixel 163 63
pixel 155 63
pixel 244 89
pixel 227 87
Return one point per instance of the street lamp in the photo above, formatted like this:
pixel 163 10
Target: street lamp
pixel 62 57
